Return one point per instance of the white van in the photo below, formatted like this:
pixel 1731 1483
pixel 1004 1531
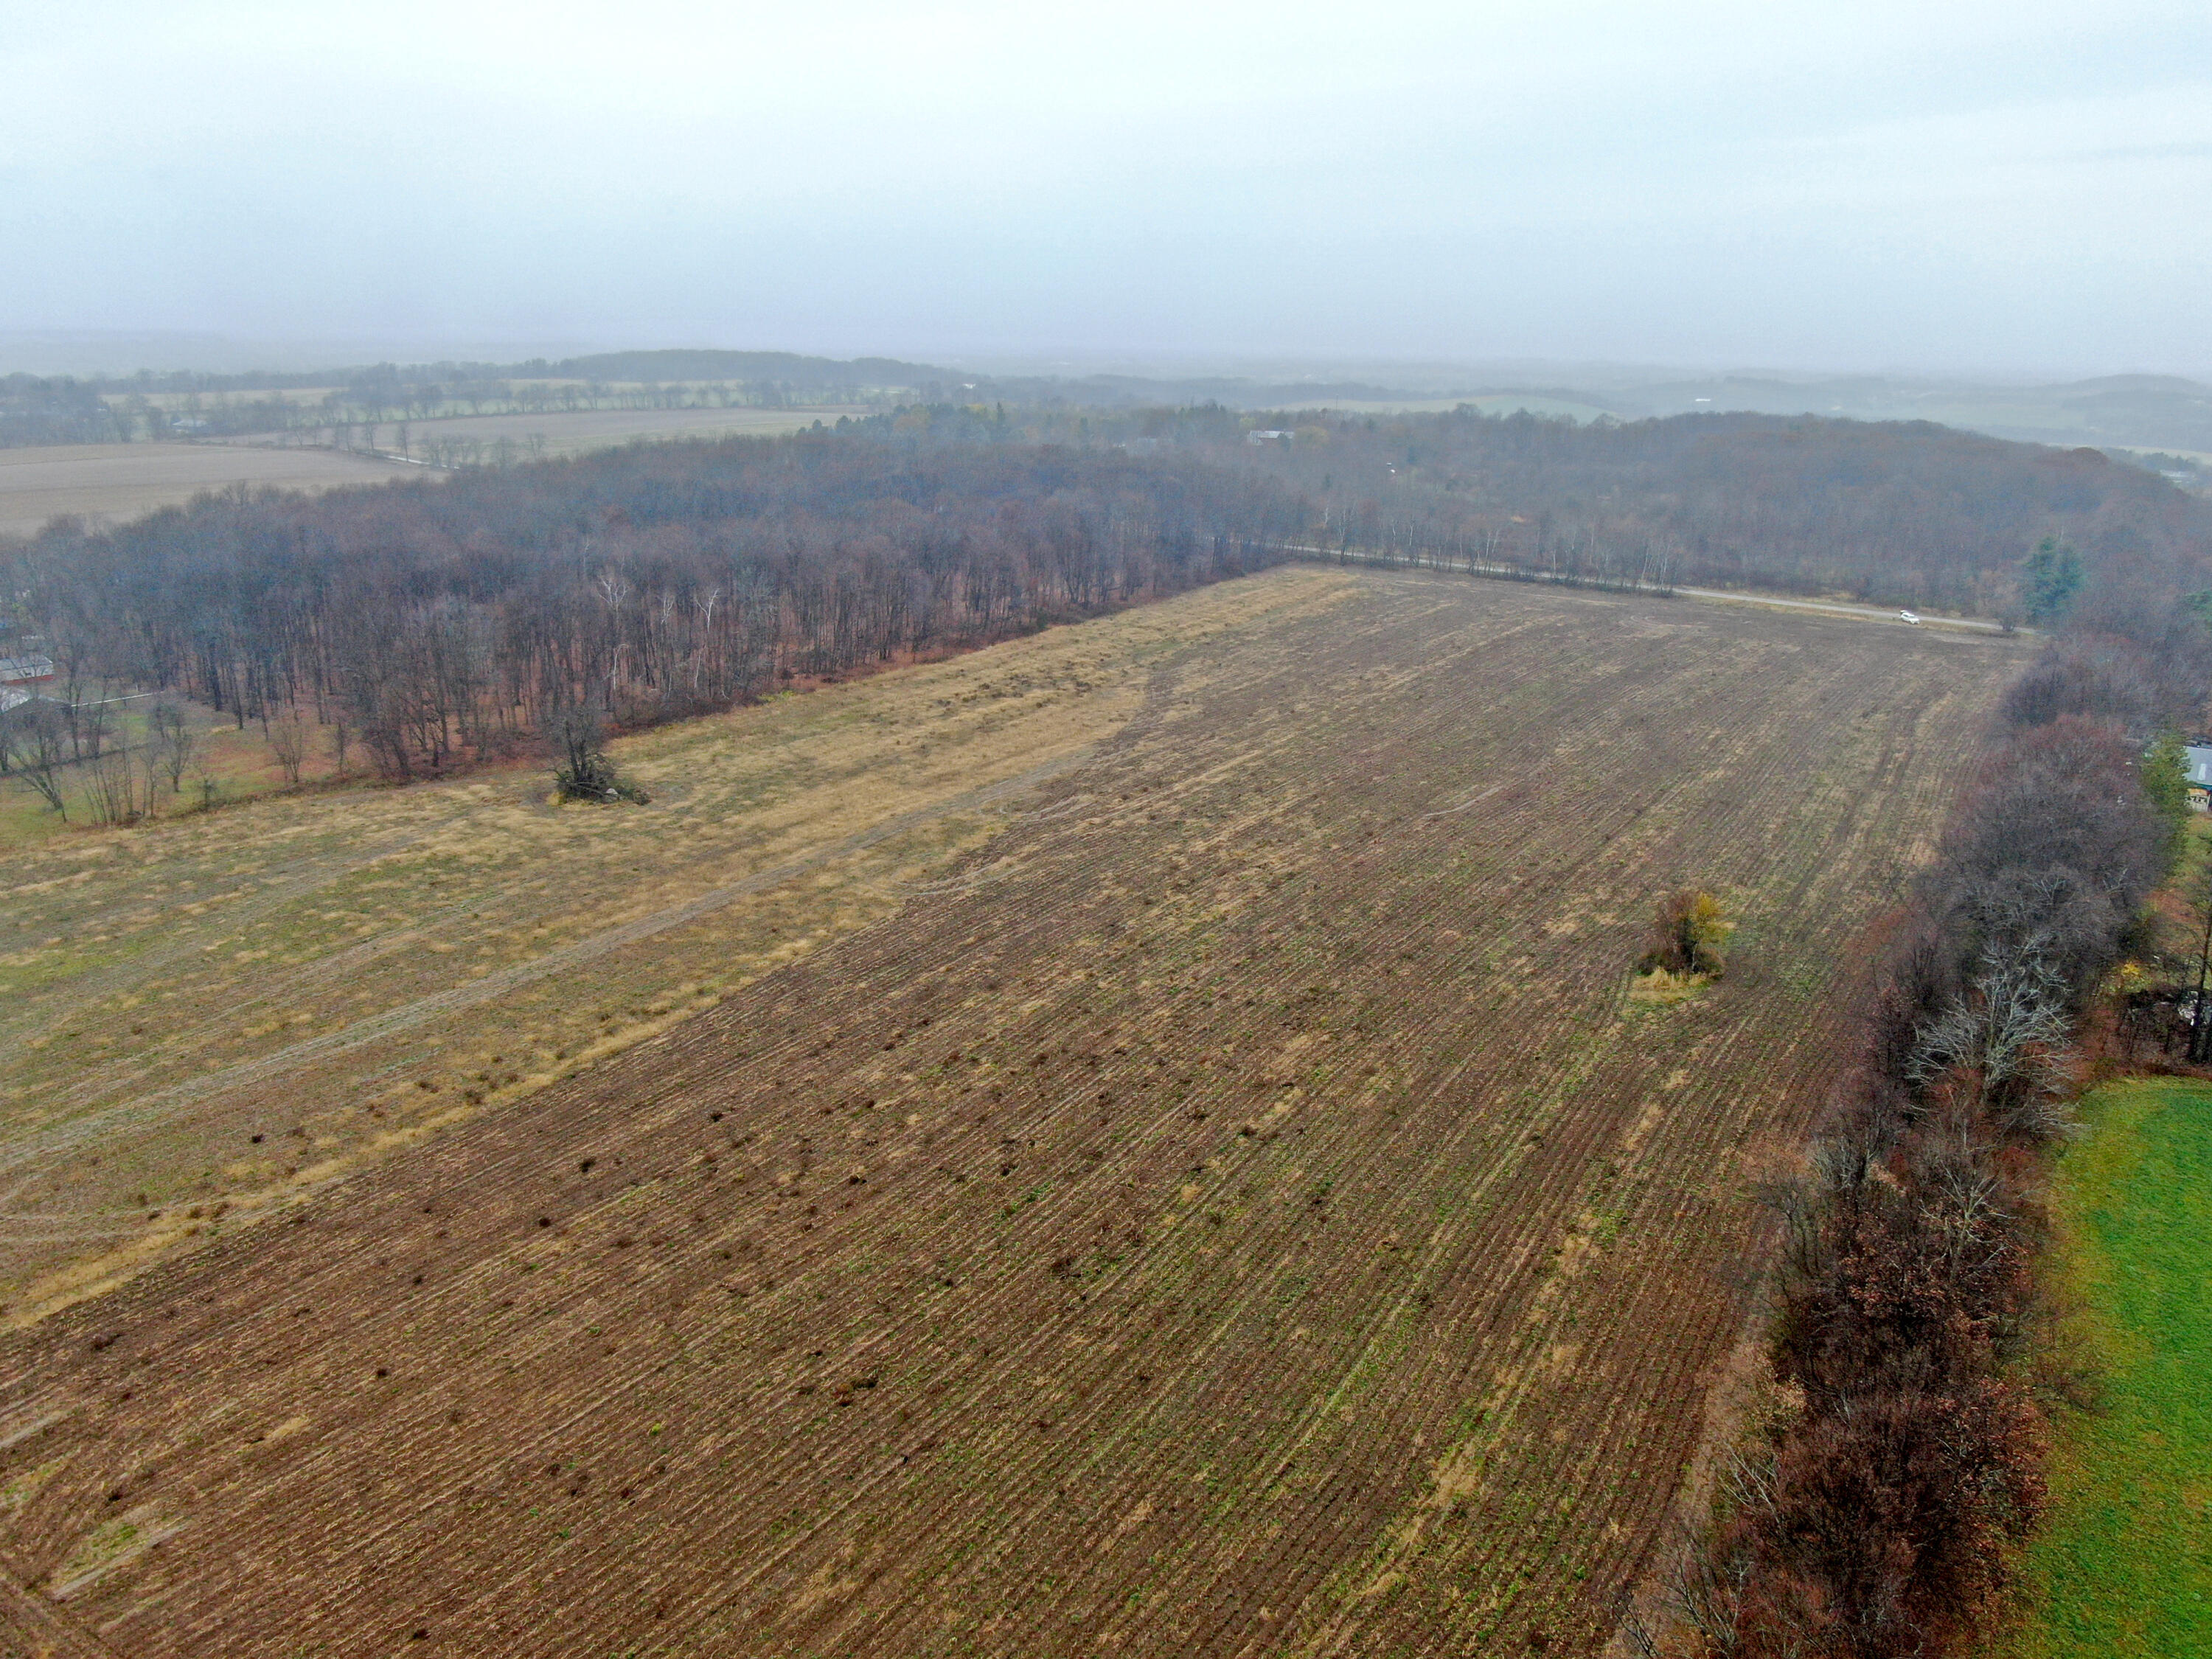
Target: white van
pixel 1909 616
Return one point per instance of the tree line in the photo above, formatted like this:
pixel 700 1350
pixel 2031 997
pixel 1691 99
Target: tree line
pixel 1909 514
pixel 37 411
pixel 1879 1516
pixel 429 623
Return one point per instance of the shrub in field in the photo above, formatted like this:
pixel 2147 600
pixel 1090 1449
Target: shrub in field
pixel 1689 935
pixel 287 740
pixel 582 770
pixel 174 742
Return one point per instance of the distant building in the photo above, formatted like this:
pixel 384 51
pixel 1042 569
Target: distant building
pixel 21 672
pixel 2200 776
pixel 20 678
pixel 1268 434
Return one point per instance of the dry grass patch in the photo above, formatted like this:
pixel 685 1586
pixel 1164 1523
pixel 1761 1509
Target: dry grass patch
pixel 1656 987
pixel 370 962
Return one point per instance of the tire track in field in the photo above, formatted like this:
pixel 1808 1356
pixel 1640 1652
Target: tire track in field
pixel 293 879
pixel 101 1081
pixel 264 1068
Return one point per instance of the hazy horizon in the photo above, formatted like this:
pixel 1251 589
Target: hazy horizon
pixel 118 353
pixel 2012 193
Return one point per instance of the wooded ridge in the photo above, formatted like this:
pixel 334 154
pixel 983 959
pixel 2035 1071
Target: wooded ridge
pixel 443 619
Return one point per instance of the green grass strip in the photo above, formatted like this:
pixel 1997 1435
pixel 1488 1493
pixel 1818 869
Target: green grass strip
pixel 2125 1566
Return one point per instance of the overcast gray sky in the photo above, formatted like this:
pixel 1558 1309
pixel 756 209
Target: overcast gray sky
pixel 1942 184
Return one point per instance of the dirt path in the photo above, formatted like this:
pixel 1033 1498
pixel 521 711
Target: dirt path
pixel 1864 612
pixel 1416 565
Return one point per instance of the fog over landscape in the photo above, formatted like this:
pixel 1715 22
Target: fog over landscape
pixel 959 830
pixel 1977 187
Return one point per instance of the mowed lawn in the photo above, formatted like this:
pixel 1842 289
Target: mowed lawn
pixel 2125 1566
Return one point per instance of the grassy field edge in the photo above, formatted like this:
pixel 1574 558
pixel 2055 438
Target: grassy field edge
pixel 2124 1566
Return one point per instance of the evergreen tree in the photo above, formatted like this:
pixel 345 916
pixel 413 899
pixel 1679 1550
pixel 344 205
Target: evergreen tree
pixel 2049 577
pixel 2165 785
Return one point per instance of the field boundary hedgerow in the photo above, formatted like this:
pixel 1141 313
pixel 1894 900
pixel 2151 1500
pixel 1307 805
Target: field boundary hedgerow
pixel 1448 564
pixel 1880 1506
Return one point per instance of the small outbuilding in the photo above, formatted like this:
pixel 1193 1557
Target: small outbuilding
pixel 2199 777
pixel 21 673
pixel 20 678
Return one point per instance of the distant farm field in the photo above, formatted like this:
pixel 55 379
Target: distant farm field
pixel 126 481
pixel 574 434
pixel 118 482
pixel 1235 1207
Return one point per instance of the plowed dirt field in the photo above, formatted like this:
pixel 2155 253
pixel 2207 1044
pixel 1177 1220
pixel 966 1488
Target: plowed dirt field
pixel 1237 1210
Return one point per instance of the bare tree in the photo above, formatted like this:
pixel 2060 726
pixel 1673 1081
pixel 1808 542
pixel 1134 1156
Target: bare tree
pixel 149 779
pixel 2010 1034
pixel 110 795
pixel 287 740
pixel 44 737
pixel 173 742
pixel 72 657
pixel 1706 1591
pixel 95 720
